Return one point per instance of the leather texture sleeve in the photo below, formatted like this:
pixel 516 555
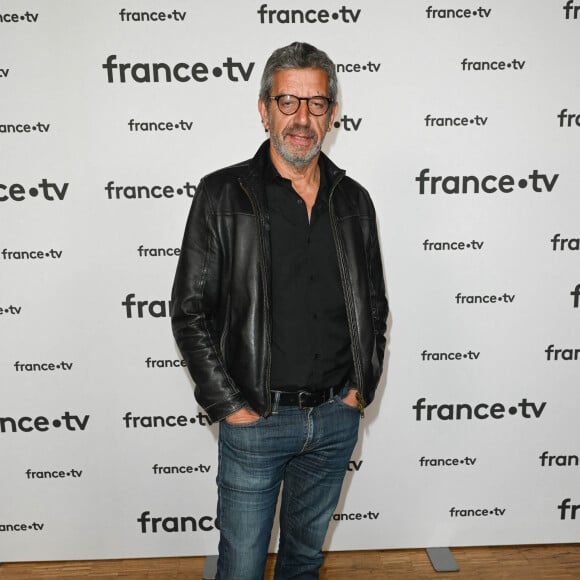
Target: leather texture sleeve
pixel 365 274
pixel 379 304
pixel 196 306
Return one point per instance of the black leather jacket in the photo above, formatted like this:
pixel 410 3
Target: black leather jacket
pixel 221 297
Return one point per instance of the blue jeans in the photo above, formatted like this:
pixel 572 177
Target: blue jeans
pixel 306 449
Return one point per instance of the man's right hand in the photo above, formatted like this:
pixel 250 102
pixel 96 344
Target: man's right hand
pixel 243 415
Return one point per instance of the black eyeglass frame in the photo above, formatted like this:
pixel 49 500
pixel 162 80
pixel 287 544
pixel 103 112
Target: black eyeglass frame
pixel 328 100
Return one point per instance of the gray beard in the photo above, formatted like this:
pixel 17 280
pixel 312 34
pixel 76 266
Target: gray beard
pixel 292 159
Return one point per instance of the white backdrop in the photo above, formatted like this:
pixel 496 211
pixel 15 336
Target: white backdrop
pixel 463 121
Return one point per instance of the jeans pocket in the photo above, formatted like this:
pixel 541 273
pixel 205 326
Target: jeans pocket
pixel 243 424
pixel 338 399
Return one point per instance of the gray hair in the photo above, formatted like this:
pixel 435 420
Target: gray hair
pixel 298 55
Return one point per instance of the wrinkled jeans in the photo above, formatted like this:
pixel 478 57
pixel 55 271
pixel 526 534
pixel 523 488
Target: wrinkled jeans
pixel 307 450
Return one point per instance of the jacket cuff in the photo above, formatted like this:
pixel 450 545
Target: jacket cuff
pixel 219 411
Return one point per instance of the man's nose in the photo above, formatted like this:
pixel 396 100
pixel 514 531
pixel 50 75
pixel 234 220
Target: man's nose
pixel 303 114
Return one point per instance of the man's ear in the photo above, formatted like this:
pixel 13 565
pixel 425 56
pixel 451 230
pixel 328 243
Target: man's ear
pixel 263 109
pixel 331 116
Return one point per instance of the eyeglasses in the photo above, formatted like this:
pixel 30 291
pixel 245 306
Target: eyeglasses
pixel 289 104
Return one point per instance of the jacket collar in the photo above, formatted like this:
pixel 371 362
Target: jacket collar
pixel 255 185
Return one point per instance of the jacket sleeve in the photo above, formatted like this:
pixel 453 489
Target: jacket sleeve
pixel 195 310
pixel 379 304
pixel 379 308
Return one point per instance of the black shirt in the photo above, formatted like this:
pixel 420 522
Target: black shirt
pixel 310 337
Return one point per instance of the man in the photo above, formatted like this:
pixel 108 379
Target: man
pixel 279 309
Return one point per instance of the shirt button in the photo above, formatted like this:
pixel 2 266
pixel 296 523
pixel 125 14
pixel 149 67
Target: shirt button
pixel 299 201
pixel 316 355
pixel 315 316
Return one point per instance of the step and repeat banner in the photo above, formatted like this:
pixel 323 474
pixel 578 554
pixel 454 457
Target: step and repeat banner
pixel 461 118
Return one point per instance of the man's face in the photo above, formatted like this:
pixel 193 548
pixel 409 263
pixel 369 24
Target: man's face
pixel 297 138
